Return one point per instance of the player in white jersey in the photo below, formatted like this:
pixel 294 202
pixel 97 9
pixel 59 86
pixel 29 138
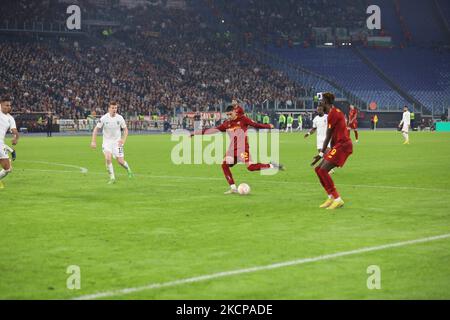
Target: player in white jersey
pixel 7 123
pixel 112 125
pixel 320 125
pixel 405 124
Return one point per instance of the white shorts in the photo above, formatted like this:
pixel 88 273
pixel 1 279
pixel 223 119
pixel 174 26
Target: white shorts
pixel 405 128
pixel 3 152
pixel 113 148
pixel 289 125
pixel 320 144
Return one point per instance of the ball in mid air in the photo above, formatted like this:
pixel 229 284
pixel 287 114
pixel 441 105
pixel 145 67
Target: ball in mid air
pixel 244 189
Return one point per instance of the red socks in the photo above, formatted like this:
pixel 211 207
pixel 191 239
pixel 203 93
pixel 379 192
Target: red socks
pixel 227 173
pixel 327 182
pixel 258 166
pixel 252 167
pixel 356 134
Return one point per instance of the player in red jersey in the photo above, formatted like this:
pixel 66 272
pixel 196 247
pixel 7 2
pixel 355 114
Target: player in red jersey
pixel 341 149
pixel 239 151
pixel 353 121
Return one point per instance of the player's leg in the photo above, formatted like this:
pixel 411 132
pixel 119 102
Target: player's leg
pixel 124 164
pixel 405 133
pixel 334 200
pixel 120 157
pixel 5 164
pixel 356 134
pixel 109 167
pixel 228 163
pixel 246 158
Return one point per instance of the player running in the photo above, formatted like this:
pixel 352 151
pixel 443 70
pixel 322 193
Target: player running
pixel 112 124
pixel 405 123
pixel 341 149
pixel 239 151
pixel 7 123
pixel 353 121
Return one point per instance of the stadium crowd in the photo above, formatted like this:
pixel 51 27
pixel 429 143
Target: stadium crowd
pixel 293 20
pixel 160 60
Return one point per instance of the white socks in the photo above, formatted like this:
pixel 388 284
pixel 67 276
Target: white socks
pixel 406 136
pixel 111 171
pixel 126 166
pixel 4 173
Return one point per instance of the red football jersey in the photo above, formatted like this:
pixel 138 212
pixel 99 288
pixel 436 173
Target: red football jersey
pixel 237 129
pixel 336 122
pixel 353 115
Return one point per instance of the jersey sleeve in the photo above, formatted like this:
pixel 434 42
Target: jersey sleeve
pixel 123 124
pixel 315 123
pixel 330 120
pixel 100 123
pixel 220 128
pixel 251 123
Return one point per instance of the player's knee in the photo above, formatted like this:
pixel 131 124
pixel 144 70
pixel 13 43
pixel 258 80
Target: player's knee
pixel 229 160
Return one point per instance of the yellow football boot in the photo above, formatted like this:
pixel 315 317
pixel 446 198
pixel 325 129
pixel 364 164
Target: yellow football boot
pixel 327 203
pixel 336 204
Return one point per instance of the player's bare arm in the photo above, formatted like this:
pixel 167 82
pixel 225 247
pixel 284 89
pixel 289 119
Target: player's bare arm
pixel 94 138
pixel 311 132
pixel 124 137
pixel 256 125
pixel 324 147
pixel 15 138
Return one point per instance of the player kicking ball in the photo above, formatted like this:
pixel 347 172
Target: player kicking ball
pixel 239 151
pixel 112 125
pixel 7 123
pixel 341 149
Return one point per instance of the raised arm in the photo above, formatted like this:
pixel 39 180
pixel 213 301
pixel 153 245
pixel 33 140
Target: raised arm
pixel 256 125
pixel 221 128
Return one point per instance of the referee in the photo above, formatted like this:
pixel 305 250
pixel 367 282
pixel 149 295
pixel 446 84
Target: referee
pixel 49 124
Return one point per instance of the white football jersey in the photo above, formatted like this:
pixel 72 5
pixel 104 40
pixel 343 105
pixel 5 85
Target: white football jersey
pixel 321 123
pixel 406 120
pixel 112 127
pixel 6 123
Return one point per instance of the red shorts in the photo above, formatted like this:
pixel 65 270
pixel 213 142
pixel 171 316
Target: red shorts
pixel 234 156
pixel 353 125
pixel 339 153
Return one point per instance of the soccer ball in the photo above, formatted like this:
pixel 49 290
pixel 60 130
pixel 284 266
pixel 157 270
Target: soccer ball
pixel 244 189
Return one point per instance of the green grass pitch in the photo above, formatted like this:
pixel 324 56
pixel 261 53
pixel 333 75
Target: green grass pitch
pixel 173 222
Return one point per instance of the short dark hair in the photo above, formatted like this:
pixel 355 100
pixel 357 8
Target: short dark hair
pixel 229 108
pixel 406 107
pixel 328 97
pixel 5 99
pixel 113 103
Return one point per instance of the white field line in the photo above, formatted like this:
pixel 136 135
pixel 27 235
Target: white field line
pixel 82 169
pixel 207 277
pixel 85 171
